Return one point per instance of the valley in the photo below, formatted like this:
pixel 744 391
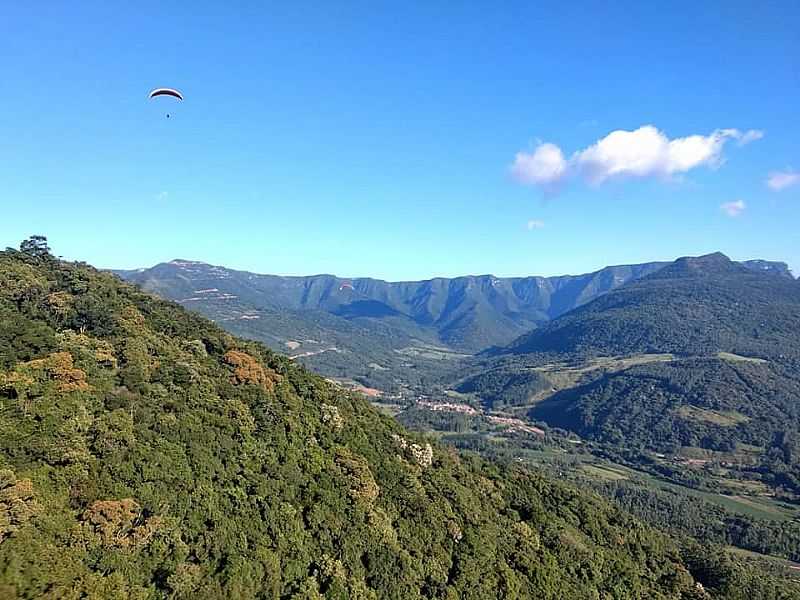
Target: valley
pixel 146 452
pixel 530 397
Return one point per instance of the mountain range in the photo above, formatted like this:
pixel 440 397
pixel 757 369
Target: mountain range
pixel 402 338
pixel 466 314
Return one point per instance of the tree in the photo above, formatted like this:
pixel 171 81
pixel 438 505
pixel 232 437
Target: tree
pixel 35 246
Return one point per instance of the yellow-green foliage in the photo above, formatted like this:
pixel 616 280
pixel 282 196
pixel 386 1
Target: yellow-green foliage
pixel 20 281
pixel 356 471
pixel 89 349
pixel 17 503
pixel 119 524
pixel 55 373
pixel 247 369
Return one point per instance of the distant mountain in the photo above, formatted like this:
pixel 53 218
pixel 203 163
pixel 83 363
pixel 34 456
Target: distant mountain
pixel 694 306
pixel 464 313
pixel 767 266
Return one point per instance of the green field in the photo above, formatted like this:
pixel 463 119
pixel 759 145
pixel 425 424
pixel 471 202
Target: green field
pixel 758 506
pixel 388 409
pixel 755 506
pixel 604 472
pixel 431 352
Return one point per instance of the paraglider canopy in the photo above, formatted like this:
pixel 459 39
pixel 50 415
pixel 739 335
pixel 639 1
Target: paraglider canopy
pixel 166 92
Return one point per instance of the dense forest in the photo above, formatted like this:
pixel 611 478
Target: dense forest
pixel 683 514
pixel 504 385
pixel 694 306
pixel 714 404
pixel 146 453
pixel 681 500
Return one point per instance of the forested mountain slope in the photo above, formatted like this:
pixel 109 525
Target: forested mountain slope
pixel 694 306
pixel 398 337
pixel 704 353
pixel 146 453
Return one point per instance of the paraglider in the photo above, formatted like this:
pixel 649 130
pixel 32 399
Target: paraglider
pixel 166 92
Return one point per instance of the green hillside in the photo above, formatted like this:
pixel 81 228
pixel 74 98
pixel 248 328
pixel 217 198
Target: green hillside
pixel 695 306
pixel 146 453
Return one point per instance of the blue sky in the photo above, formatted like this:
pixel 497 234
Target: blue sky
pixel 379 139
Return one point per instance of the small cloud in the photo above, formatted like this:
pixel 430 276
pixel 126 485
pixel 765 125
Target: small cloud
pixel 733 209
pixel 535 224
pixel 161 196
pixel 545 166
pixel 780 180
pixel 643 152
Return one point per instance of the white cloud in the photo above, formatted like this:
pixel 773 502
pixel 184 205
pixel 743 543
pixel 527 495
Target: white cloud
pixel 535 224
pixel 780 180
pixel 733 209
pixel 545 166
pixel 643 152
pixel 162 195
pixel 647 152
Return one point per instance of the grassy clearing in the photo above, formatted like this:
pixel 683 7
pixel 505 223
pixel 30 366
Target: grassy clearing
pixel 564 375
pixel 389 409
pixel 728 418
pixel 762 507
pixel 765 505
pixel 607 363
pixel 743 455
pixel 748 488
pixel 738 358
pixel 603 472
pixel 431 353
pixel 749 449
